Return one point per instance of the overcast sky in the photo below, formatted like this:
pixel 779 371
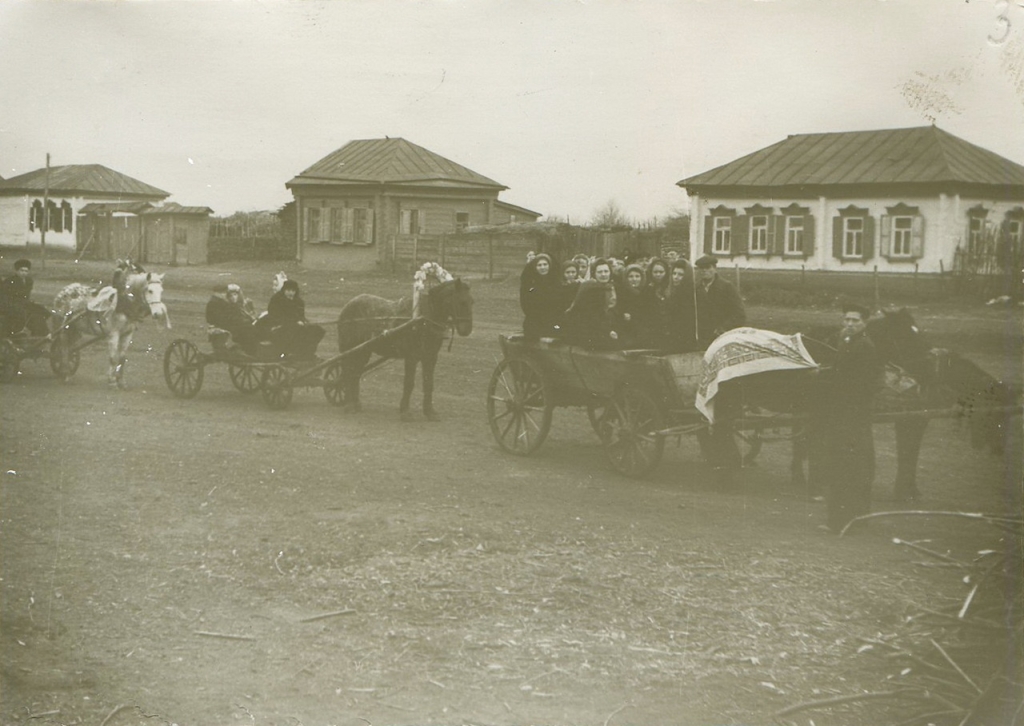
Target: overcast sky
pixel 569 104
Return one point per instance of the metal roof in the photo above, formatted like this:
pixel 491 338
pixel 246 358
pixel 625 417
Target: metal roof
pixel 920 155
pixel 82 179
pixel 175 208
pixel 108 207
pixel 390 161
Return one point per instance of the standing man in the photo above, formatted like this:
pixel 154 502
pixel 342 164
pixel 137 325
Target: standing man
pixel 719 306
pixel 16 304
pixel 846 408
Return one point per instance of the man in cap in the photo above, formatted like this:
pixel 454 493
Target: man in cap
pixel 845 412
pixel 19 312
pixel 719 306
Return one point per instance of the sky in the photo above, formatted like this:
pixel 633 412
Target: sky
pixel 570 103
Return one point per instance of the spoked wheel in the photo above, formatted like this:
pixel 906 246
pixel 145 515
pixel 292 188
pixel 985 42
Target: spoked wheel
pixel 244 377
pixel 334 392
pixel 10 361
pixel 628 430
pixel 183 369
pixel 519 406
pixel 276 387
pixel 64 359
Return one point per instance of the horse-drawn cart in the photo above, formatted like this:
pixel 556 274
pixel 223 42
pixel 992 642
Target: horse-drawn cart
pixel 275 376
pixel 637 399
pixel 63 353
pixel 634 398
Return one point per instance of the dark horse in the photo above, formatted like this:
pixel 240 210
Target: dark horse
pixel 944 380
pixel 366 317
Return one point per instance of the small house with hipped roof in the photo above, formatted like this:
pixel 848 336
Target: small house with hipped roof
pixel 899 200
pixel 30 201
pixel 355 202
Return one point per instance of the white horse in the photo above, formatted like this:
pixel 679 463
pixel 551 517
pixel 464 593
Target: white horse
pixel 83 311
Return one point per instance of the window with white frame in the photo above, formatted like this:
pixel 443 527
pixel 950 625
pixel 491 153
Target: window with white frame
pixel 1015 232
pixel 853 237
pixel 722 235
pixel 411 221
pixel 975 232
pixel 758 242
pixel 794 235
pixel 902 237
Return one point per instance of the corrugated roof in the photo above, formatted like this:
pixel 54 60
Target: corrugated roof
pixel 175 208
pixel 108 207
pixel 920 155
pixel 80 179
pixel 390 161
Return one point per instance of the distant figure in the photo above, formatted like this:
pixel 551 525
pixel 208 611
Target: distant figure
pixel 588 322
pixel 719 306
pixel 16 306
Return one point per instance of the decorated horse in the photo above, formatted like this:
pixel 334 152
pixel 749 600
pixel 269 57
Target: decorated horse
pixel 425 318
pixel 919 378
pixel 110 313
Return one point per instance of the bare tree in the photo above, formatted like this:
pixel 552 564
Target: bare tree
pixel 610 215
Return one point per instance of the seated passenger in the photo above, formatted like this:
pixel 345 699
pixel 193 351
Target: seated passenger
pixel 588 323
pixel 18 311
pixel 540 298
pixel 286 325
pixel 236 315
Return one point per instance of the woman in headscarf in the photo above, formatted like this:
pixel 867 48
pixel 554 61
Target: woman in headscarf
pixel 540 297
pixel 656 332
pixel 682 332
pixel 634 307
pixel 588 323
pixel 290 332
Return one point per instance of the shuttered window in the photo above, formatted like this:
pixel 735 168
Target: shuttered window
pixel 853 235
pixel 794 235
pixel 721 243
pixel 758 240
pixel 313 217
pixel 412 221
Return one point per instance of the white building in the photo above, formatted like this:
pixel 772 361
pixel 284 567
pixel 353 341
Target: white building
pixel 901 200
pixel 23 212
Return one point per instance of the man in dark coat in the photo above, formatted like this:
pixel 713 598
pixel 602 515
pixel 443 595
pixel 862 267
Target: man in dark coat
pixel 16 306
pixel 849 388
pixel 719 305
pixel 230 313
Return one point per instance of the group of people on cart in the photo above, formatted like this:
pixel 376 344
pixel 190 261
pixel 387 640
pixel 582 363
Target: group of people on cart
pixel 605 304
pixel 283 330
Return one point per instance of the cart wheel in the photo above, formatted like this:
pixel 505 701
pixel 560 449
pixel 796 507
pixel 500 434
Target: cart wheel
pixel 518 406
pixel 628 432
pixel 10 361
pixel 276 388
pixel 244 377
pixel 183 369
pixel 63 359
pixel 333 389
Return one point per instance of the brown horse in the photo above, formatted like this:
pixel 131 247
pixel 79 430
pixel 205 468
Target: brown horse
pixel 368 317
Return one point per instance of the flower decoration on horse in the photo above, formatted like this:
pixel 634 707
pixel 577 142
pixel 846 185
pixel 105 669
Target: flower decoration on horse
pixel 420 281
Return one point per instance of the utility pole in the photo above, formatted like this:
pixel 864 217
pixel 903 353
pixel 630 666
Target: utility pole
pixel 46 212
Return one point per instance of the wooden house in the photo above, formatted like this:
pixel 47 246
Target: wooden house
pixel 30 201
pixel 897 200
pixel 353 203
